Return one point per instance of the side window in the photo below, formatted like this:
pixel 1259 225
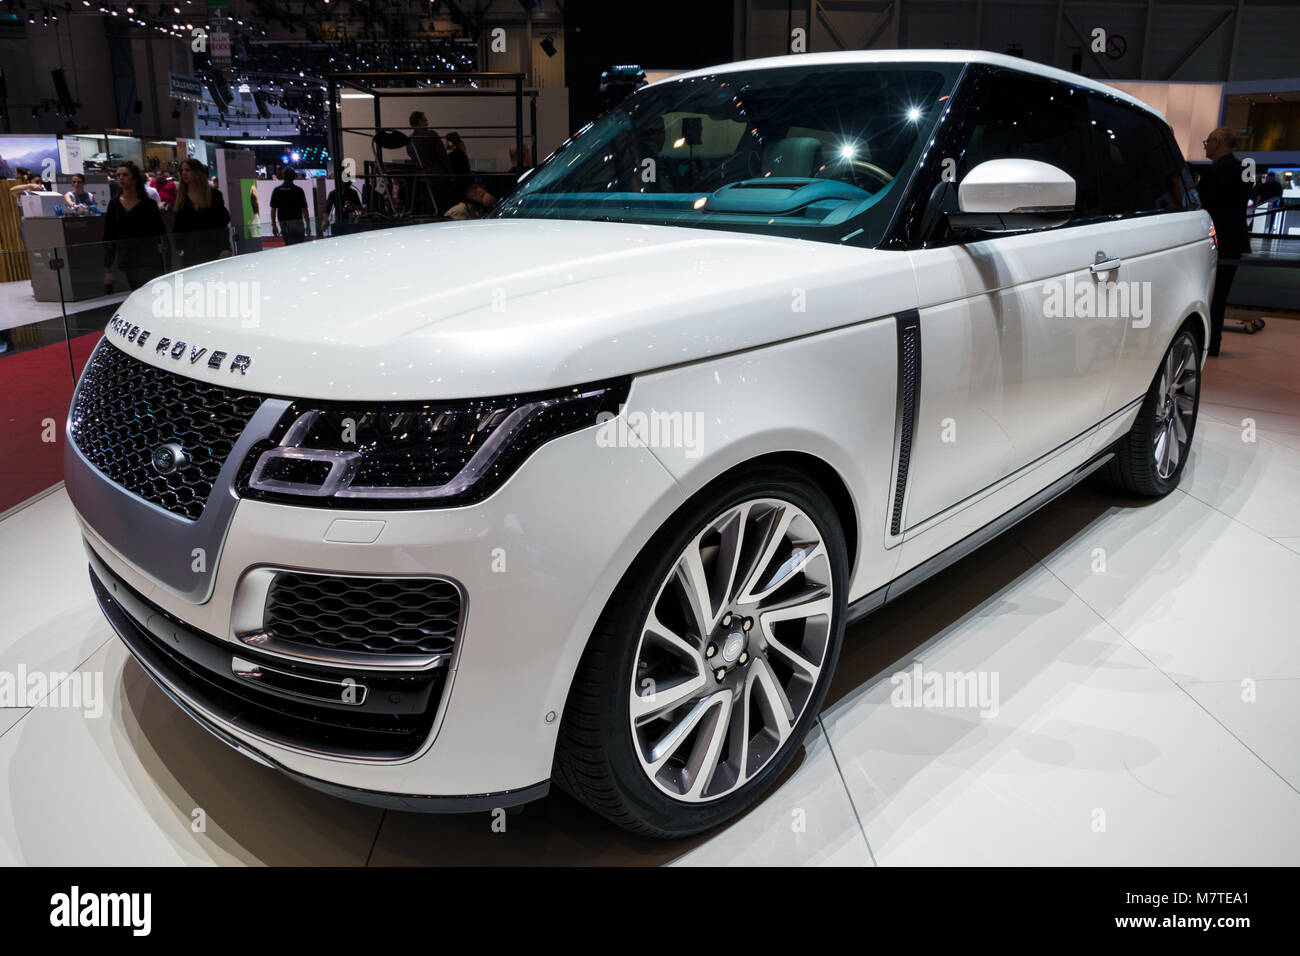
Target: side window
pixel 1140 171
pixel 1022 117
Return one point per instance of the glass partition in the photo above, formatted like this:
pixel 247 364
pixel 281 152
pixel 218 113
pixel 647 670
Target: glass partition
pixel 42 350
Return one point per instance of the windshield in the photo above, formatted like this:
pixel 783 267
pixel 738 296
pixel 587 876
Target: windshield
pixel 820 152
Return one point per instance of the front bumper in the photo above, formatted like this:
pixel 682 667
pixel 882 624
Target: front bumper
pixel 537 562
pixel 180 678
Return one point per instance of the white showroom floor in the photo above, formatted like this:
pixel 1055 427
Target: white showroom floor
pixel 1149 709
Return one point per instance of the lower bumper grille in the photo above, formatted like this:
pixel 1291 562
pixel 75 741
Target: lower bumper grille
pixel 363 615
pixel 378 715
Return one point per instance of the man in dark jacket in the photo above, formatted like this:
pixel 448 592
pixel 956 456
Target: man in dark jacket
pixel 1224 194
pixel 289 216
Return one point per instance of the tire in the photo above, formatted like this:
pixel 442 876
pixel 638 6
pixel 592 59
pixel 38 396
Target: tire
pixel 678 764
pixel 1142 464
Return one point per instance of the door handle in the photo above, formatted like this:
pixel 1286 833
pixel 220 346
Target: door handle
pixel 1103 264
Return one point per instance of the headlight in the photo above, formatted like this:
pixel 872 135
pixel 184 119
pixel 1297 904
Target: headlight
pixel 414 455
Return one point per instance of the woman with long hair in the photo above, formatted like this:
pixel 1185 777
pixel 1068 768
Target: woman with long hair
pixel 202 224
pixel 133 228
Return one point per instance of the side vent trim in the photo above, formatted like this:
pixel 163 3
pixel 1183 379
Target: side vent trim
pixel 909 392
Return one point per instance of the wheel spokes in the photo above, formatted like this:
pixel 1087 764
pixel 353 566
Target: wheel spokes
pixel 810 602
pixel 705 755
pixel 732 542
pixel 1162 450
pixel 1178 385
pixel 800 557
pixel 712 703
pixel 771 700
pixel 694 584
pixel 655 699
pixel 680 732
pixel 669 639
pixel 774 536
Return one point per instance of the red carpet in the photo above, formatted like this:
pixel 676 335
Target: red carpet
pixel 35 387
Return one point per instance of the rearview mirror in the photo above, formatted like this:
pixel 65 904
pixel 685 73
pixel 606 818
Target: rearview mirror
pixel 1009 195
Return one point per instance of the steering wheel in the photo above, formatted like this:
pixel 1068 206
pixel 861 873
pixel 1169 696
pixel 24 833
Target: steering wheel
pixel 862 168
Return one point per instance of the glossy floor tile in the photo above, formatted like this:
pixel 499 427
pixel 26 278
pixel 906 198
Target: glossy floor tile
pixel 1247 476
pixel 10 716
pixel 50 621
pixel 1201 595
pixel 139 783
pixel 1084 753
pixel 1264 715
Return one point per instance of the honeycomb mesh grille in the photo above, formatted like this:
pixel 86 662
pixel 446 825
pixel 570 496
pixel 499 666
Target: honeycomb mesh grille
pixel 125 409
pixel 364 615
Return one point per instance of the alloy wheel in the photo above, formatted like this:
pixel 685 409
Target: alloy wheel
pixel 732 649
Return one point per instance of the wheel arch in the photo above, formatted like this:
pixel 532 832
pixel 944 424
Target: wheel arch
pixel 1200 326
pixel 823 474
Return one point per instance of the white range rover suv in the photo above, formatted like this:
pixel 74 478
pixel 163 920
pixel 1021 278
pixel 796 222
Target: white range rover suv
pixel 587 491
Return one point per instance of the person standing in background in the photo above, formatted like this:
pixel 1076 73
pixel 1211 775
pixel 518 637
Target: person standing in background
pixel 1224 195
pixel 202 220
pixel 427 150
pixel 289 209
pixel 426 147
pixel 133 227
pixel 165 187
pixel 458 157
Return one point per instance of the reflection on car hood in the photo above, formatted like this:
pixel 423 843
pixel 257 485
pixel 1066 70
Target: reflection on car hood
pixel 452 310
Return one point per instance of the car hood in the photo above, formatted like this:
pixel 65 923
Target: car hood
pixel 461 310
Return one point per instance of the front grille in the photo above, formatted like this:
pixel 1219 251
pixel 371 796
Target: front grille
pixel 125 409
pixel 363 615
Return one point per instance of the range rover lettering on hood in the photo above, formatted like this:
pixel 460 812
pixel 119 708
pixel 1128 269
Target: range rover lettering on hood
pixel 177 349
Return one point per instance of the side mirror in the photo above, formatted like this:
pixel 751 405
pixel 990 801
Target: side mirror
pixel 1012 195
